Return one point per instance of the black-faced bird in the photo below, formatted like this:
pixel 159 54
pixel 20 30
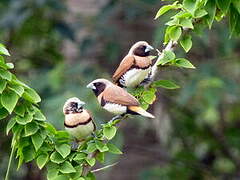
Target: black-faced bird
pixel 135 66
pixel 115 99
pixel 78 121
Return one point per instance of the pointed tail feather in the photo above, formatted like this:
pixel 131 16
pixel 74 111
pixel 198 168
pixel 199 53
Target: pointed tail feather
pixel 141 111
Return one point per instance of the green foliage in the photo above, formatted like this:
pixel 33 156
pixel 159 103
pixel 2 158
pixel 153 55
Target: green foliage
pixel 35 139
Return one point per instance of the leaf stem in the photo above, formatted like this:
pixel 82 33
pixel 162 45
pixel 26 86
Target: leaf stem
pixel 10 161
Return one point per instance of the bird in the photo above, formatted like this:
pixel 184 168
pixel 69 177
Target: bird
pixel 78 121
pixel 135 67
pixel 115 99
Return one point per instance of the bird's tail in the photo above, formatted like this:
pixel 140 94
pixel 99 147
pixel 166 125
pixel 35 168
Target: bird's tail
pixel 141 111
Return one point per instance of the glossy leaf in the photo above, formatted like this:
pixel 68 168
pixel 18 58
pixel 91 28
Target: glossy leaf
pixel 167 57
pixel 37 141
pixel 165 9
pixel 24 120
pixel 5 74
pixel 31 96
pixel 3 84
pixel 3 50
pixel 181 62
pixel 67 167
pixel 17 89
pixel 30 129
pixel 186 42
pixel 10 125
pixel 91 161
pixel 165 84
pixel 56 158
pixel 109 132
pixel 113 149
pixel 9 100
pixel 63 149
pixel 42 160
pixel 175 33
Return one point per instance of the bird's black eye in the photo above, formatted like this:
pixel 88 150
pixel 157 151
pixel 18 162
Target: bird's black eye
pixel 74 104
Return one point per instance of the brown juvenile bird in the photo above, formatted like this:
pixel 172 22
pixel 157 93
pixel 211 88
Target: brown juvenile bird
pixel 115 99
pixel 135 66
pixel 78 121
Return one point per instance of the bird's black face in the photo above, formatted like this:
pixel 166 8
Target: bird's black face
pixel 74 108
pixel 141 51
pixel 99 88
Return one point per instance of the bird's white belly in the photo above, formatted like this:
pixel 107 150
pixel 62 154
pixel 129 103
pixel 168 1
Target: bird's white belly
pixel 134 77
pixel 81 131
pixel 115 108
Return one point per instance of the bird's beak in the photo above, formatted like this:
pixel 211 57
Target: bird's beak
pixel 91 86
pixel 148 48
pixel 81 103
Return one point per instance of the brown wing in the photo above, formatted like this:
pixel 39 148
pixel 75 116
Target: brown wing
pixel 142 62
pixel 125 65
pixel 115 94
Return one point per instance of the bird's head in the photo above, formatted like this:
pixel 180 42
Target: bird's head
pixel 98 85
pixel 141 48
pixel 73 105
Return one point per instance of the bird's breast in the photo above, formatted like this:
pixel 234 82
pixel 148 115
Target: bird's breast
pixel 134 77
pixel 115 108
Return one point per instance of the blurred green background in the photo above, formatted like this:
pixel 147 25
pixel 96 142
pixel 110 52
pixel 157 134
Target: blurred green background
pixel 59 46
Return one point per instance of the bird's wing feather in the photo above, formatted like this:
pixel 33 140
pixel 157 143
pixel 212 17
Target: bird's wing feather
pixel 125 65
pixel 117 95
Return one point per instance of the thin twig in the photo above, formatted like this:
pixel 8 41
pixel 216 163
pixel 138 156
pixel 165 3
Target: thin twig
pixel 105 167
pixel 10 161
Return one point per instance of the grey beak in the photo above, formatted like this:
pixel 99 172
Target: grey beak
pixel 148 48
pixel 91 86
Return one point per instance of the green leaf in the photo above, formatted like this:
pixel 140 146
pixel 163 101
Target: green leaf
pixel 173 22
pixel 91 147
pixel 30 129
pixel 211 9
pixel 167 57
pixel 149 97
pixel 3 50
pixel 186 43
pixel 181 62
pixel 67 167
pixel 165 84
pixel 3 84
pixel 3 113
pixel 100 157
pixel 10 125
pixel 42 160
pixel 10 65
pixel 29 153
pixel 190 5
pixel 223 5
pixel 90 176
pixel 17 89
pixel 101 146
pixel 113 149
pixel 37 141
pixel 63 149
pixel 9 100
pixel 24 120
pixel 20 110
pixel 53 170
pixel 49 127
pixel 56 158
pixel 80 156
pixel 175 33
pixel 186 23
pixel 165 9
pixel 39 116
pixel 91 161
pixel 236 4
pixel 31 96
pixel 5 74
pixel 200 13
pixel 109 132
